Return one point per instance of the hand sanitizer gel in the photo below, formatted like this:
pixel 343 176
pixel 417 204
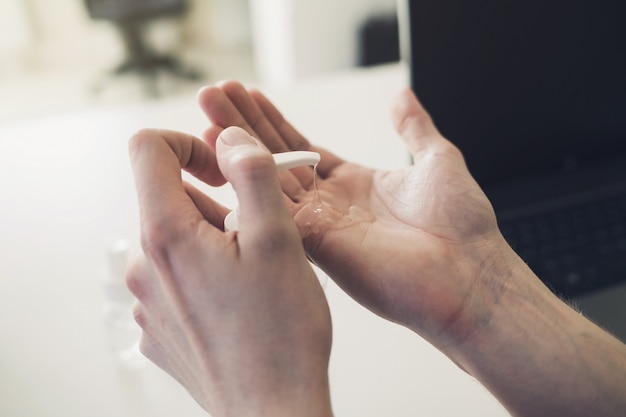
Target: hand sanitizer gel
pixel 122 331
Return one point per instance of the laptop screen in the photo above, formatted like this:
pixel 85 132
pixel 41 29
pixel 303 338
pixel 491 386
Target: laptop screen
pixel 525 88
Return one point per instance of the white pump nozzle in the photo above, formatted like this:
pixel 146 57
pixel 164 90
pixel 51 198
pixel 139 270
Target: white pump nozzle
pixel 283 161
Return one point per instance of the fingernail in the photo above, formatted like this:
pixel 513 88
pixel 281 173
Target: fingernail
pixel 236 136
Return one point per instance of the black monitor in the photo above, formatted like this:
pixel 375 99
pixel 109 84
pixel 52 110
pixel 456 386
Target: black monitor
pixel 523 86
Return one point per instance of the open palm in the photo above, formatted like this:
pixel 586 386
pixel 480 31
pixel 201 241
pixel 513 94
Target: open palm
pixel 408 244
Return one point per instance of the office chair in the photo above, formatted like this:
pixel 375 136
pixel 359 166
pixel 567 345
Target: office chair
pixel 131 17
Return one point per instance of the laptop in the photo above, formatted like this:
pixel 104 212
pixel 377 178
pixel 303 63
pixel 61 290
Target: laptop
pixel 534 95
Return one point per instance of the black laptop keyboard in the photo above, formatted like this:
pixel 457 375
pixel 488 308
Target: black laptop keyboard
pixel 575 250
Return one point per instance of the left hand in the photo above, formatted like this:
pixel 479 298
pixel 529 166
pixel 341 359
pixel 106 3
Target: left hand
pixel 416 245
pixel 238 318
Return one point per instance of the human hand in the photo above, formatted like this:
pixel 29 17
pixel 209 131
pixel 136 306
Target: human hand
pixel 421 246
pixel 417 245
pixel 238 318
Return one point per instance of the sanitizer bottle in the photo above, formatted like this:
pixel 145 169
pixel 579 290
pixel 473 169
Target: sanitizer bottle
pixel 122 332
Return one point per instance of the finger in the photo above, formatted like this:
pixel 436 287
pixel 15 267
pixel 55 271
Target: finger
pixel 254 116
pixel 211 134
pixel 281 137
pixel 413 122
pixel 292 186
pixel 290 138
pixel 298 179
pixel 284 138
pixel 296 141
pixel 212 211
pixel 265 123
pixel 157 157
pixel 140 277
pixel 251 170
pixel 143 281
pixel 230 105
pixel 220 110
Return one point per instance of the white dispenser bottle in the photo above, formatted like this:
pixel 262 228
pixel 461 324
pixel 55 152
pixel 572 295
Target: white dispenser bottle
pixel 123 333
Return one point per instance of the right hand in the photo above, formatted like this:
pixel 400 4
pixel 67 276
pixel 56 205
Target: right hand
pixel 238 318
pixel 424 236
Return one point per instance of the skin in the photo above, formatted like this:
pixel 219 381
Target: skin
pixel 413 217
pixel 229 315
pixel 424 251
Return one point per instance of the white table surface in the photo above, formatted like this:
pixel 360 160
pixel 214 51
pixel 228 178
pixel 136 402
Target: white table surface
pixel 67 191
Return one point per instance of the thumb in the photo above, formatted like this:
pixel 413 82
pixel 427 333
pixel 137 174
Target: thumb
pixel 251 170
pixel 413 122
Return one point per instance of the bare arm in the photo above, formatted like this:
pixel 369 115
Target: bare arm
pixel 239 319
pixel 539 356
pixel 428 254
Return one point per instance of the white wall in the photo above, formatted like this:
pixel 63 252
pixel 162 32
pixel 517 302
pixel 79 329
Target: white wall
pixel 291 38
pixel 56 32
pixel 17 35
pixel 13 21
pixel 297 38
pixel 63 34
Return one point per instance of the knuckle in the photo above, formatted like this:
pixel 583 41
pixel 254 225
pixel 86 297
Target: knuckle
pixel 451 149
pixel 157 240
pixel 232 87
pixel 140 316
pixel 255 163
pixel 153 240
pixel 140 138
pixel 135 278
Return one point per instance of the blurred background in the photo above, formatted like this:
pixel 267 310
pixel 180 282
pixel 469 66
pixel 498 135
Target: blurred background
pixel 77 79
pixel 71 54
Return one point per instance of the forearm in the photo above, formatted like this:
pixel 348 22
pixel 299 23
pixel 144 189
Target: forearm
pixel 540 357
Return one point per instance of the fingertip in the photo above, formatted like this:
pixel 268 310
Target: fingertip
pixel 215 104
pixel 251 170
pixel 222 83
pixel 204 93
pixel 257 94
pixel 212 88
pixel 231 86
pixel 236 136
pixel 240 155
pixel 201 91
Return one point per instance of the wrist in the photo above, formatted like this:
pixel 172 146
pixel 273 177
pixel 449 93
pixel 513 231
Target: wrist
pixel 507 296
pixel 504 295
pixel 290 404
pixel 489 272
pixel 527 342
pixel 308 397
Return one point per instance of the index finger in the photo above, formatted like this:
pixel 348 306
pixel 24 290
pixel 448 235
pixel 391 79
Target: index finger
pixel 293 139
pixel 157 157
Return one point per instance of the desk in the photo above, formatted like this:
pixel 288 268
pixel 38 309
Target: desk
pixel 67 190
